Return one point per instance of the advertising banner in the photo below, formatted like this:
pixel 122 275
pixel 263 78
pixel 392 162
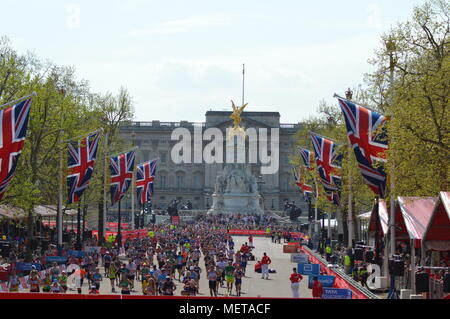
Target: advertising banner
pixel 27 266
pixel 335 293
pixel 300 258
pixel 327 281
pixel 75 253
pixel 308 269
pixel 56 259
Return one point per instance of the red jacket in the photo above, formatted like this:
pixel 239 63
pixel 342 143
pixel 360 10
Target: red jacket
pixel 266 260
pixel 317 289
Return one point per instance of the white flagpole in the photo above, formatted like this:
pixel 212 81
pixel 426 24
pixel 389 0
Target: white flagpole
pixel 19 99
pixel 60 192
pixel 84 135
pixel 105 185
pixel 350 213
pixel 133 190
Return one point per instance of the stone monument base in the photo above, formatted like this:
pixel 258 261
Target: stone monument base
pixel 236 203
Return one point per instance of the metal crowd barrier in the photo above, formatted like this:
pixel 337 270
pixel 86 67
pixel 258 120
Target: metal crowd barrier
pixel 347 278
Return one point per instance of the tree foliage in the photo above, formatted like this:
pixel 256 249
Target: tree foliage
pixel 63 109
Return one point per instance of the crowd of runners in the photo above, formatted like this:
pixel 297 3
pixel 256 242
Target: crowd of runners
pixel 168 257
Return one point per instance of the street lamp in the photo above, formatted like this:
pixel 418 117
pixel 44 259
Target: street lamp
pixel 349 94
pixel 260 182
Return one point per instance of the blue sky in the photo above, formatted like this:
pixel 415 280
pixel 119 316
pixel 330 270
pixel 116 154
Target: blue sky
pixel 180 59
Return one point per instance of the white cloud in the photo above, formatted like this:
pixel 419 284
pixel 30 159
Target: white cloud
pixel 374 16
pixel 184 25
pixel 73 19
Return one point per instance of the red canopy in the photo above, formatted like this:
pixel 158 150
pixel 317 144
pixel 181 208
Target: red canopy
pixel 380 221
pixel 412 215
pixel 437 234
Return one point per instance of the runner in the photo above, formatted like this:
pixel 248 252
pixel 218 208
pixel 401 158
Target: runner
pixel 13 283
pixel 112 274
pixel 33 280
pixel 124 283
pixel 55 288
pixel 238 274
pixel 229 276
pixel 62 279
pixel 168 287
pixel 212 281
pixel 96 278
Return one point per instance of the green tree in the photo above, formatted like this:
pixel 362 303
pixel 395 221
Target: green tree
pixel 412 86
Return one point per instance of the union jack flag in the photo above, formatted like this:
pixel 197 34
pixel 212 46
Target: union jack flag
pixel 81 160
pixel 305 189
pixel 306 156
pixel 13 129
pixel 121 168
pixel 145 176
pixel 367 135
pixel 327 162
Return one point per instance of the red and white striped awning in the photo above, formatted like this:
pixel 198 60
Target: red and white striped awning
pixel 12 212
pixel 437 233
pixel 412 216
pixel 383 218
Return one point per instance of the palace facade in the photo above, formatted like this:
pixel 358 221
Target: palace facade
pixel 196 181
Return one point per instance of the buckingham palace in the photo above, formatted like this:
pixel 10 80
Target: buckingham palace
pixel 195 182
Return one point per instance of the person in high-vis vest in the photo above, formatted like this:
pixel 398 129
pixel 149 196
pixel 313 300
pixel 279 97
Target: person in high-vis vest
pixel 347 264
pixel 268 231
pixel 328 252
pixel 363 275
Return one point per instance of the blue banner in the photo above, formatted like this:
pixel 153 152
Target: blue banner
pixel 335 293
pixel 300 258
pixel 327 281
pixel 308 269
pixel 75 253
pixel 56 259
pixel 27 266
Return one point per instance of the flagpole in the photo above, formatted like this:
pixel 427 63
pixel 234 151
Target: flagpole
pixel 316 215
pixel 352 101
pixel 78 245
pixel 126 151
pixel 119 226
pixel 19 99
pixel 350 212
pixel 243 82
pixel 59 217
pixel 390 46
pixel 103 230
pixel 317 134
pixel 133 189
pixel 60 198
pixel 84 135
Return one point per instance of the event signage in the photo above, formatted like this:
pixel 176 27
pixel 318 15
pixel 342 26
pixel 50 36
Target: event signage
pixel 335 293
pixel 56 259
pixel 75 253
pixel 327 281
pixel 27 266
pixel 308 269
pixel 93 249
pixel 300 258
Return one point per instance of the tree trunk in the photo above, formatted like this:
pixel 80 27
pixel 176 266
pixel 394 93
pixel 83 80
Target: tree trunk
pixel 30 230
pixel 101 235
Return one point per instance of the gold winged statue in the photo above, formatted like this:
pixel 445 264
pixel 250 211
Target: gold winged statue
pixel 236 117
